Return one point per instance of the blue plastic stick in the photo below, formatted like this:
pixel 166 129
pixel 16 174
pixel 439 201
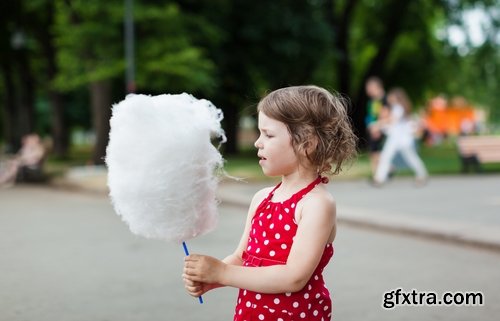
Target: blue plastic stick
pixel 186 251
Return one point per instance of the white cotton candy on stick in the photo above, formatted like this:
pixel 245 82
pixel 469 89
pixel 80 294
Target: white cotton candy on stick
pixel 161 165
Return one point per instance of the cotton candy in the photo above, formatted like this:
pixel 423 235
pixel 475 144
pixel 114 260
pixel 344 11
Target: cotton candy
pixel 162 165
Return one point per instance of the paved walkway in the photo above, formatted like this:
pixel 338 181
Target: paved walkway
pixel 463 209
pixel 67 256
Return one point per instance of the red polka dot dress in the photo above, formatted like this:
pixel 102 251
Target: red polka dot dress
pixel 269 243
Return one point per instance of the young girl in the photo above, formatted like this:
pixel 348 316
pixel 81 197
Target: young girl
pixel 287 240
pixel 400 138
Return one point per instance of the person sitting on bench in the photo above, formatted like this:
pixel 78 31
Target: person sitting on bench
pixel 26 164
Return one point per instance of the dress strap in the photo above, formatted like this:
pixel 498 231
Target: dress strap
pixel 308 188
pixel 271 193
pixel 268 197
pixel 297 196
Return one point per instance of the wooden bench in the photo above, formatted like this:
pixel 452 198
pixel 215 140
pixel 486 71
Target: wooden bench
pixel 477 150
pixel 31 174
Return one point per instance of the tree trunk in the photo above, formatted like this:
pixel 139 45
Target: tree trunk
pixel 341 25
pixel 100 99
pixel 27 94
pixel 59 129
pixel 231 130
pixel 393 26
pixel 60 135
pixel 10 117
pixel 229 104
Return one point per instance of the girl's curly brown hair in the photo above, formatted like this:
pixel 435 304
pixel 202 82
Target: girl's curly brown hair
pixel 318 123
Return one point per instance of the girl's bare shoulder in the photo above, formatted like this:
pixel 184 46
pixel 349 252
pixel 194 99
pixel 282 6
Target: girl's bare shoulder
pixel 259 197
pixel 319 198
pixel 261 194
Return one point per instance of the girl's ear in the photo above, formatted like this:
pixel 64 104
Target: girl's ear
pixel 308 146
pixel 311 145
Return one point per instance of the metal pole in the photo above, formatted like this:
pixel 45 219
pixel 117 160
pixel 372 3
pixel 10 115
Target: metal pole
pixel 129 46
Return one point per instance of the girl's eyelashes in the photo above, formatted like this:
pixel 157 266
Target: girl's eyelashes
pixel 266 134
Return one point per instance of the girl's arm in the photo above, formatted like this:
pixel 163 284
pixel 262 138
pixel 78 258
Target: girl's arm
pixel 315 228
pixel 197 288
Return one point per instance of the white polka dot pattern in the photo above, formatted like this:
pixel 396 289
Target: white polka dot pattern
pixel 269 243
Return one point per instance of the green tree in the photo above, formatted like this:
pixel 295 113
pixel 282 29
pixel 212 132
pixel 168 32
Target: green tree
pixel 89 49
pixel 473 70
pixel 90 54
pixel 16 50
pixel 41 13
pixel 262 45
pixel 390 39
pixel 167 58
pixel 397 41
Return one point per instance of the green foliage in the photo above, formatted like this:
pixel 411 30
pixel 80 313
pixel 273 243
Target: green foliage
pixel 167 60
pixel 479 78
pixel 420 61
pixel 439 160
pixel 233 51
pixel 88 36
pixel 90 42
pixel 470 71
pixel 284 45
pixel 411 54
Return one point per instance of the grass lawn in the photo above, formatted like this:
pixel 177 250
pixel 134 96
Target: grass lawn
pixel 439 160
pixel 77 156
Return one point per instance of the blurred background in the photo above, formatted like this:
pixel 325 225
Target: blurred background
pixel 64 63
pixel 65 255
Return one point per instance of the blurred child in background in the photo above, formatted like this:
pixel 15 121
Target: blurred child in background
pixel 400 132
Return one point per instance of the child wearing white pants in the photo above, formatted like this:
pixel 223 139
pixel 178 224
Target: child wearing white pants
pixel 399 131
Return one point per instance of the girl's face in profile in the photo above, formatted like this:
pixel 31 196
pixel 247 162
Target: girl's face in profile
pixel 274 145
